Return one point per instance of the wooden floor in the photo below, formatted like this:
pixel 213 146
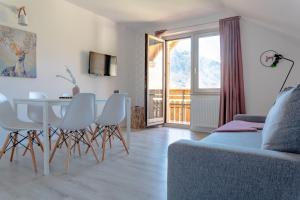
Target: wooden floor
pixel 141 175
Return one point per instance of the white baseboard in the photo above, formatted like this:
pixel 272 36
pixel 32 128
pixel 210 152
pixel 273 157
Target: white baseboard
pixel 183 126
pixel 202 129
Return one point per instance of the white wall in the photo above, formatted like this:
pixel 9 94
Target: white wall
pixel 261 84
pixel 65 35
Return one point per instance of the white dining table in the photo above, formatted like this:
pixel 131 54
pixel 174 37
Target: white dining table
pixel 46 103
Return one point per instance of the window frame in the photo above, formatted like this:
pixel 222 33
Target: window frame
pixel 195 64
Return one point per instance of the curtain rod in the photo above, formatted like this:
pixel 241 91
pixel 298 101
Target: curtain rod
pixel 191 26
pixel 194 25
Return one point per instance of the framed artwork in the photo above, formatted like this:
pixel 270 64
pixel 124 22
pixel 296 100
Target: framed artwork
pixel 17 53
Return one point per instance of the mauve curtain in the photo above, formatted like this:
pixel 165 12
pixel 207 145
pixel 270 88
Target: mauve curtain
pixel 232 98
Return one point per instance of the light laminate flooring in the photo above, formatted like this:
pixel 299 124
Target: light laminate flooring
pixel 142 175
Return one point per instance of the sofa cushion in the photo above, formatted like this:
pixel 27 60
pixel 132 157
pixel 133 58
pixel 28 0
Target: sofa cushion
pixel 240 126
pixel 282 128
pixel 241 139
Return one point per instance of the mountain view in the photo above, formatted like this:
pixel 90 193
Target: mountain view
pixel 209 73
pixel 180 68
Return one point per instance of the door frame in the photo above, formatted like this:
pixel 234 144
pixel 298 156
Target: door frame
pixel 194 68
pixel 167 39
pixel 147 37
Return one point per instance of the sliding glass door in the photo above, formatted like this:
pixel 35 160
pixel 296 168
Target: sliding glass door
pixel 155 81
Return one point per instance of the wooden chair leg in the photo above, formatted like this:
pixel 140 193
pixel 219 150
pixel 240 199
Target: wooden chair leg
pixel 68 157
pixel 39 142
pixel 103 144
pixel 3 150
pixel 56 146
pixel 97 143
pixel 13 148
pixel 26 149
pixel 122 139
pixel 78 146
pixel 87 149
pixel 93 138
pixel 109 137
pixel 32 152
pixel 50 144
pixel 90 130
pixel 64 139
pixel 92 148
pixel 75 141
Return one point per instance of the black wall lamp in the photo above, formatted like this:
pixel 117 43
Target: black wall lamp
pixel 271 58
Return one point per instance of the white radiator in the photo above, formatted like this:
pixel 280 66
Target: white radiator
pixel 204 112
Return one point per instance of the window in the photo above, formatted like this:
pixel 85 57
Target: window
pixel 208 62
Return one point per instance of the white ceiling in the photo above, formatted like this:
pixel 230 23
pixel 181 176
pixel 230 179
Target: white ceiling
pixel 283 14
pixel 151 10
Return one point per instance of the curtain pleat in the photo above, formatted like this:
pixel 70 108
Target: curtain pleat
pixel 232 99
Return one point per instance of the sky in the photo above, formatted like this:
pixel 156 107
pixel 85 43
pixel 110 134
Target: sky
pixel 209 47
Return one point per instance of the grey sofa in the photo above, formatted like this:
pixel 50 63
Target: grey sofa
pixel 231 166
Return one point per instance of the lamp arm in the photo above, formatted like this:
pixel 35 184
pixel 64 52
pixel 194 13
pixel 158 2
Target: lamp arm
pixel 289 72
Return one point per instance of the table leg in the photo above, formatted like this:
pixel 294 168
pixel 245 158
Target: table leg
pixel 96 111
pixel 128 121
pixel 46 139
pixel 17 147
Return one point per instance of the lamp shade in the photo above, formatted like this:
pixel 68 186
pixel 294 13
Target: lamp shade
pixel 22 17
pixel 23 20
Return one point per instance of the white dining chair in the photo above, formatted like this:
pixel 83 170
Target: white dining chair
pixel 79 115
pixel 35 114
pixel 63 109
pixel 15 128
pixel 108 123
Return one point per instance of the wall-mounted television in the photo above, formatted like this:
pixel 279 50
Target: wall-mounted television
pixel 102 64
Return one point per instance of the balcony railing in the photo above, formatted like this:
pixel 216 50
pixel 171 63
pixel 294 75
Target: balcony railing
pixel 155 104
pixel 179 106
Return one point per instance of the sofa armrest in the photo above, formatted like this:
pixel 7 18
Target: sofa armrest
pixel 250 118
pixel 198 170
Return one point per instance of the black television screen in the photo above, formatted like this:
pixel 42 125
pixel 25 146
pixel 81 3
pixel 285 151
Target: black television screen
pixel 102 64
